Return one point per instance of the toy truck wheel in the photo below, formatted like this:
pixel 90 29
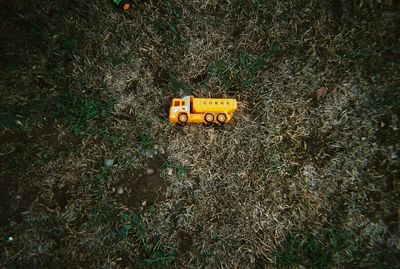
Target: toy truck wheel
pixel 209 118
pixel 221 118
pixel 183 118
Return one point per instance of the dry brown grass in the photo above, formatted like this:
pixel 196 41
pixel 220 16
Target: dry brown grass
pixel 290 169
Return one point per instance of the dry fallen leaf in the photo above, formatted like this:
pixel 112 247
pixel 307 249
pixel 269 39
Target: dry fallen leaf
pixel 321 92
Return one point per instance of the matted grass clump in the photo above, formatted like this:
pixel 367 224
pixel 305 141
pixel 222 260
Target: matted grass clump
pixel 305 176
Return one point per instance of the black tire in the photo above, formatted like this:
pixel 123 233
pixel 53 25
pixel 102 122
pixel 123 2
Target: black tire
pixel 183 118
pixel 221 118
pixel 209 118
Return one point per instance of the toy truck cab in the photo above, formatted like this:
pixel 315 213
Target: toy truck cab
pixel 202 110
pixel 180 110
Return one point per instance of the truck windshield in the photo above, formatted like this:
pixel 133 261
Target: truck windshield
pixel 176 103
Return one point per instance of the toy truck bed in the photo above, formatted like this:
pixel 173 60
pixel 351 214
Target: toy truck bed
pixel 202 105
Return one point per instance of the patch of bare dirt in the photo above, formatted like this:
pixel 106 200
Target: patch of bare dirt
pixel 62 197
pixel 142 187
pixel 387 131
pixel 185 241
pixel 16 143
pixel 123 261
pixel 56 140
pixel 18 154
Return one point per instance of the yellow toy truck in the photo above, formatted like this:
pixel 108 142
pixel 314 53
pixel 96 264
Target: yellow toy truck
pixel 201 110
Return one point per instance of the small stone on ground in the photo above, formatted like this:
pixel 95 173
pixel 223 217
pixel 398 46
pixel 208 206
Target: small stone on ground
pixel 109 162
pixel 169 171
pixel 120 190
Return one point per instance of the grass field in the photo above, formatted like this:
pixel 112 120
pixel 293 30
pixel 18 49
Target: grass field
pixel 305 176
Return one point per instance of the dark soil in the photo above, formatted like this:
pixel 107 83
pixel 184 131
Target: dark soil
pixel 142 188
